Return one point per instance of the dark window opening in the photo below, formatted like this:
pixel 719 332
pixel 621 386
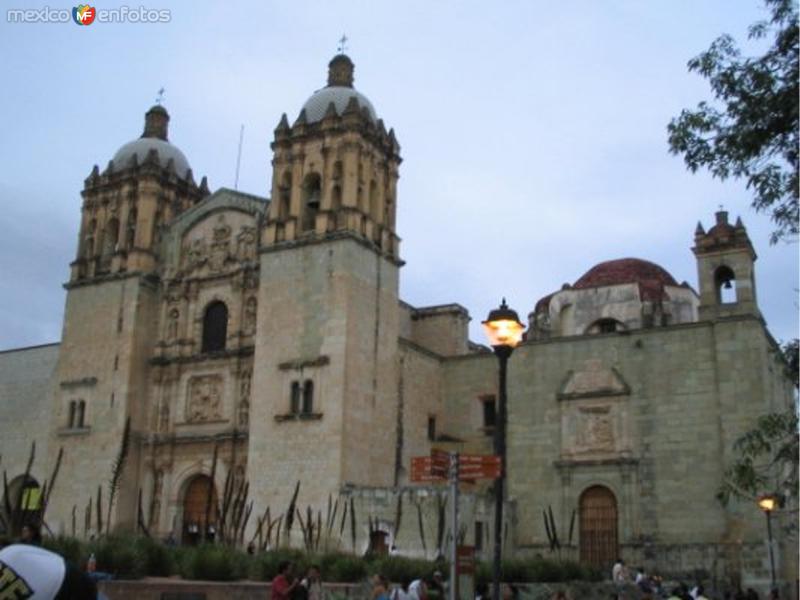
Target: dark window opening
pixel 215 327
pixel 308 397
pixel 294 399
pixel 81 414
pixel 72 408
pixel 312 192
pixel 478 536
pixel 489 413
pixel 607 326
pixel 432 428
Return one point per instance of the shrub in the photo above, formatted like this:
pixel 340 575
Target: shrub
pixel 72 549
pixel 118 554
pixel 159 561
pixel 214 563
pixel 344 569
pixel 400 568
pixel 264 567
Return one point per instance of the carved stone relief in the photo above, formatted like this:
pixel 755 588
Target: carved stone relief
pixel 246 243
pixel 244 399
pixel 172 324
pixel 204 401
pixel 250 312
pixel 220 247
pixel 595 431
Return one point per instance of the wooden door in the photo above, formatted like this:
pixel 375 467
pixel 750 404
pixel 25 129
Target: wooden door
pixel 598 527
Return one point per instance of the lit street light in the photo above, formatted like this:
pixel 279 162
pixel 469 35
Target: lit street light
pixel 768 503
pixel 504 331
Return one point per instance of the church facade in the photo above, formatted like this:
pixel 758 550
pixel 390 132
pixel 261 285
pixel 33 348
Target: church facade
pixel 260 344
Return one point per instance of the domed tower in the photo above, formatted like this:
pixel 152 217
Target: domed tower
pixel 328 308
pixel 335 169
pixel 111 312
pixel 146 183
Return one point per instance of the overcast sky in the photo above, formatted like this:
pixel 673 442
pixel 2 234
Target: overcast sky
pixel 533 134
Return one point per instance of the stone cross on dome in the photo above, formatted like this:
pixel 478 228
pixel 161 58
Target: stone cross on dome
pixel 160 96
pixel 343 44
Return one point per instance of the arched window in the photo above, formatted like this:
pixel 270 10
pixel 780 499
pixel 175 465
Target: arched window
pixel 215 327
pixel 130 230
pixel 725 283
pixel 311 201
pixel 308 397
pixel 373 200
pixel 598 527
pixel 606 325
pixel 111 236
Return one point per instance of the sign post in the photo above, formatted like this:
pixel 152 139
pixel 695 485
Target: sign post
pixel 454 468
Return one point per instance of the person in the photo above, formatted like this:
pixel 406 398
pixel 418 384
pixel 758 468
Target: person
pixel 380 588
pixel 699 593
pixel 282 585
pixel 32 572
pixel 418 590
pixel 401 592
pixel 559 595
pixel 30 535
pixel 311 584
pixel 481 591
pixel 676 593
pixel 619 573
pixel 774 594
pixel 436 584
pixel 251 548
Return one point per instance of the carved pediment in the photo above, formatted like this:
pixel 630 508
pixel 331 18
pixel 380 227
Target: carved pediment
pixel 592 380
pixel 204 402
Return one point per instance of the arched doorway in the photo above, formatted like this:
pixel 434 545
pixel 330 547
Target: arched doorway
pixel 598 526
pixel 199 515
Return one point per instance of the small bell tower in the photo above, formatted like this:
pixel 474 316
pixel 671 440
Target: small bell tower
pixel 725 269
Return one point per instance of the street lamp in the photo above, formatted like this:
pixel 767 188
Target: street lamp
pixel 504 331
pixel 768 503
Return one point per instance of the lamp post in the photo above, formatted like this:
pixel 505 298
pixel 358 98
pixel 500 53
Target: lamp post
pixel 768 503
pixel 504 331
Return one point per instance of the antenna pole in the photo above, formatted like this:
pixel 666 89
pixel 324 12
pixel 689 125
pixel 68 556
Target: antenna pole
pixel 239 158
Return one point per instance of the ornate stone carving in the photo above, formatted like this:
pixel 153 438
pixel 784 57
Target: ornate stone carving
pixel 244 399
pixel 250 313
pixel 595 429
pixel 195 255
pixel 155 504
pixel 172 324
pixel 220 247
pixel 592 379
pixel 205 399
pixel 163 423
pixel 246 243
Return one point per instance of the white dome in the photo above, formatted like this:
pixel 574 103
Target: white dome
pixel 142 146
pixel 317 104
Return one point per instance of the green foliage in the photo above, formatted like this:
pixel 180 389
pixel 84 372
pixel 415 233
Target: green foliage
pixel 791 354
pixel 159 560
pixel 264 566
pixel 751 131
pixel 73 550
pixel 118 554
pixel 214 563
pixel 766 461
pixel 345 568
pixel 538 570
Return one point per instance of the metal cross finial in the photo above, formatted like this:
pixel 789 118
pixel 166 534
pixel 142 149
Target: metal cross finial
pixel 160 97
pixel 343 44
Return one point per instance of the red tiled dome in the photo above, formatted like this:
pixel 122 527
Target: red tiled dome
pixel 624 270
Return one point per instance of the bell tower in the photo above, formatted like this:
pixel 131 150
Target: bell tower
pixel 112 311
pixel 725 269
pixel 328 318
pixel 335 169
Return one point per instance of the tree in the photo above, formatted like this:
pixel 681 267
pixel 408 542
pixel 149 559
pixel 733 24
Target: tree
pixel 751 131
pixel 766 463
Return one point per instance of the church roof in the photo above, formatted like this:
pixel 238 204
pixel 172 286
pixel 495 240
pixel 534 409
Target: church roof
pixel 624 270
pixel 339 91
pixel 153 138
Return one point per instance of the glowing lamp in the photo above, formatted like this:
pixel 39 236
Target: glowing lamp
pixel 503 327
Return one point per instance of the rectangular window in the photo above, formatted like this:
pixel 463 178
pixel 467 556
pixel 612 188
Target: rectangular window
pixel 479 536
pixel 432 428
pixel 294 400
pixel 489 413
pixel 308 397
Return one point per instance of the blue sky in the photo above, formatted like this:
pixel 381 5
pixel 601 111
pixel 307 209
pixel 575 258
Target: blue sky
pixel 533 134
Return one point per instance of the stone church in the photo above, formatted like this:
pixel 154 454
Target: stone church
pixel 269 333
